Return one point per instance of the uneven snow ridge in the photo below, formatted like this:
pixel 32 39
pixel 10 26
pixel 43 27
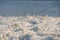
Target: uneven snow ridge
pixel 30 28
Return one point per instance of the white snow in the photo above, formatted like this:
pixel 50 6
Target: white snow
pixel 30 28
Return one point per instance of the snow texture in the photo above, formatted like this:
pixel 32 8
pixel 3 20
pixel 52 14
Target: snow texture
pixel 30 28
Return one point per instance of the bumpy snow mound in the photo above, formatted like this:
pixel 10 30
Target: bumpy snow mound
pixel 30 28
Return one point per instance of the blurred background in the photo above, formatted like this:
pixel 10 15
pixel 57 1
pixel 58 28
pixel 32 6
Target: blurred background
pixel 23 8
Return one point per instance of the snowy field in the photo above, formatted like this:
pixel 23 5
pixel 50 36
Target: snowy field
pixel 30 28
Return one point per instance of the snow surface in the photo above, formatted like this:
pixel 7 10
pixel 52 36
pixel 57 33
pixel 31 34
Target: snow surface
pixel 30 28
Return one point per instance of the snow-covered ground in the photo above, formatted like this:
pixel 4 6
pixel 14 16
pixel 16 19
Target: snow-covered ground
pixel 30 28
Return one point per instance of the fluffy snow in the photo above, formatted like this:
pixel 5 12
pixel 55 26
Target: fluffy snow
pixel 30 28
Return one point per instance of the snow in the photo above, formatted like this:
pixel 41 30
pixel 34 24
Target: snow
pixel 30 28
